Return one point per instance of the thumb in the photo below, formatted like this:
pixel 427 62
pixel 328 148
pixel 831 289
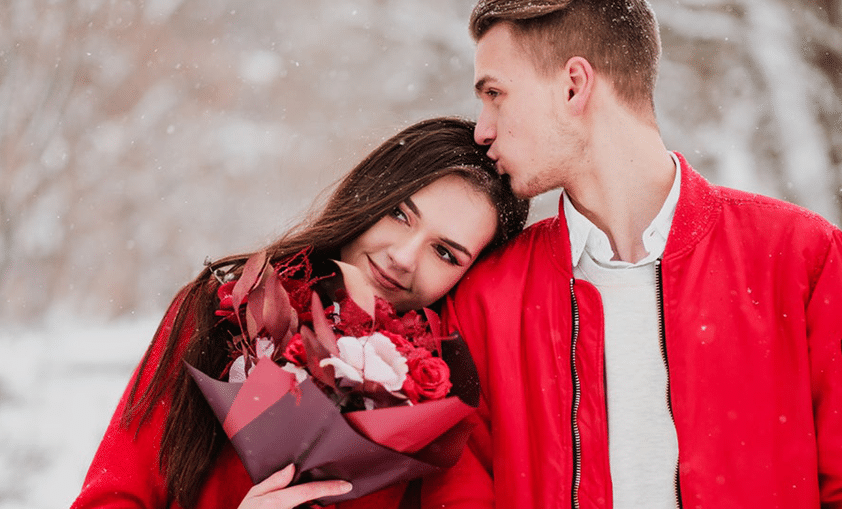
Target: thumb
pixel 274 482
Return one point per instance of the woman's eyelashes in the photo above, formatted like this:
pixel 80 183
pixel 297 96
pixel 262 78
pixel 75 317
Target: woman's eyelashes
pixel 443 252
pixel 400 215
pixel 447 255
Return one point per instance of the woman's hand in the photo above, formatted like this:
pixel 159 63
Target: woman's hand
pixel 273 492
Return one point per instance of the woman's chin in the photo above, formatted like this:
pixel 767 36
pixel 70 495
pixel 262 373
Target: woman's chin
pixel 357 287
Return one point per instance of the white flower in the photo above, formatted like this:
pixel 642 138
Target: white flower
pixel 374 358
pixel 300 373
pixel 237 371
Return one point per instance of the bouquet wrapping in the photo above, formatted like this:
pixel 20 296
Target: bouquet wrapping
pixel 369 396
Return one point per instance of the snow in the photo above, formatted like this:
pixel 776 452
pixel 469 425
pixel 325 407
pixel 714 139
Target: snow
pixel 143 137
pixel 58 390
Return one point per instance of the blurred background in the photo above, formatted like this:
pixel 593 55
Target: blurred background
pixel 138 137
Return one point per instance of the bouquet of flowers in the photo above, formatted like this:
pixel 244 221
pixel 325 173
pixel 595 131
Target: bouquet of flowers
pixel 366 395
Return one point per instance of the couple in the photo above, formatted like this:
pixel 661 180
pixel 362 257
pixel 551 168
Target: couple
pixel 661 343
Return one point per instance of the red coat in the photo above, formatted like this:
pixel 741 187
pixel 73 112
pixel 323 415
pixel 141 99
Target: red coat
pixel 752 324
pixel 125 474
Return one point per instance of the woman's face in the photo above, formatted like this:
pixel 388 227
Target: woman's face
pixel 418 252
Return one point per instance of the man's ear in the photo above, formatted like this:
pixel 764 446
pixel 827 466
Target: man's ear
pixel 580 78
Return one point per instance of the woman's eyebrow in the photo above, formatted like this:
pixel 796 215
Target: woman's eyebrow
pixel 414 208
pixel 459 247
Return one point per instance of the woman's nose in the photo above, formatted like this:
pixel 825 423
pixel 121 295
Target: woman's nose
pixel 404 253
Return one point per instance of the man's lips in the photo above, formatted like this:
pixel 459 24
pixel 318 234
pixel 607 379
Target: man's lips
pixel 384 279
pixel 498 166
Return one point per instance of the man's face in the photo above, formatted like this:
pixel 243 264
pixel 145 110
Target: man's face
pixel 523 117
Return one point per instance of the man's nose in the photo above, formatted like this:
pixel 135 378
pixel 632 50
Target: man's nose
pixel 485 132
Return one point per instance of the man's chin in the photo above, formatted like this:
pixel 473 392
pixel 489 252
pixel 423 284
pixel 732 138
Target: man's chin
pixel 519 191
pixel 524 190
pixel 531 190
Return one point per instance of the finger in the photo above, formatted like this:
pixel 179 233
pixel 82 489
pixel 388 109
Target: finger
pixel 312 490
pixel 274 482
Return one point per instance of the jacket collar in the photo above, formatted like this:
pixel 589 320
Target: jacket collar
pixel 586 237
pixel 698 206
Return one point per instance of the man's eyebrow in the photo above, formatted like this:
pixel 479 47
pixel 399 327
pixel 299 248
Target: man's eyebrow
pixel 480 84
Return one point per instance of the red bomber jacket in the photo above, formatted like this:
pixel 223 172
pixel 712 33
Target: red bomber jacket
pixel 124 472
pixel 751 311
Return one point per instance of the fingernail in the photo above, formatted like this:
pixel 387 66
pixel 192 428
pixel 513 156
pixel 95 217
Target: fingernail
pixel 345 486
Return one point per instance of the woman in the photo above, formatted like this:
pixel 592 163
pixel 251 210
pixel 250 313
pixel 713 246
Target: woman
pixel 411 217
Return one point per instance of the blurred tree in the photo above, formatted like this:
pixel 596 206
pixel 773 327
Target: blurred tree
pixel 751 90
pixel 137 138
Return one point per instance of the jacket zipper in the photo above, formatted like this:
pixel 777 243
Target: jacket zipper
pixel 659 289
pixel 577 440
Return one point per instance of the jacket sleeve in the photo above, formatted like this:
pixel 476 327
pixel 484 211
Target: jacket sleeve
pixel 469 483
pixel 824 332
pixel 124 472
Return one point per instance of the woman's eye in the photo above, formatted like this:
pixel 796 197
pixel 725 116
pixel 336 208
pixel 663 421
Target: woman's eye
pixel 446 255
pixel 398 214
pixel 492 93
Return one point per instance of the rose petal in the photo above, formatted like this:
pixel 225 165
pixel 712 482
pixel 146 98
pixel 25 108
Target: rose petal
pixel 351 351
pixel 383 363
pixel 342 369
pixel 300 373
pixel 377 370
pixel 237 372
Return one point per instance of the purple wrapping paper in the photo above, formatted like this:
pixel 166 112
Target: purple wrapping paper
pixel 277 427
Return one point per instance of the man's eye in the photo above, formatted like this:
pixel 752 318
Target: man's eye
pixel 492 93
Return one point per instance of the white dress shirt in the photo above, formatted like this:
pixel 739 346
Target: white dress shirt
pixel 643 448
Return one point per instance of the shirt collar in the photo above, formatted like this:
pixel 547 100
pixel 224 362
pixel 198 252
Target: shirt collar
pixel 586 237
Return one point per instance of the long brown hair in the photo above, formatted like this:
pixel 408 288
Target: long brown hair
pixel 619 38
pixel 398 168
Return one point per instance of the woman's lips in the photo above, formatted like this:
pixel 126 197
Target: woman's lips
pixel 384 279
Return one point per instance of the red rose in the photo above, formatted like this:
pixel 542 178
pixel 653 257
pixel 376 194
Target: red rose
pixel 295 352
pixel 409 324
pixel 401 343
pixel 428 377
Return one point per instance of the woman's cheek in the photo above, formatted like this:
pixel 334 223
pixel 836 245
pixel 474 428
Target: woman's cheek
pixel 448 281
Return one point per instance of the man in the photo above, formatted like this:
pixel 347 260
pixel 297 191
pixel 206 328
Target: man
pixel 663 342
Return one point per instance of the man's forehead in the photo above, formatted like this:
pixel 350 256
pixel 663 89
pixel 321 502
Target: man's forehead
pixel 491 49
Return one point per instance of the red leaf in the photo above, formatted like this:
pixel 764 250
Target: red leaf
pixel 252 272
pixel 315 353
pixel 323 330
pixel 254 311
pixel 433 321
pixel 277 309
